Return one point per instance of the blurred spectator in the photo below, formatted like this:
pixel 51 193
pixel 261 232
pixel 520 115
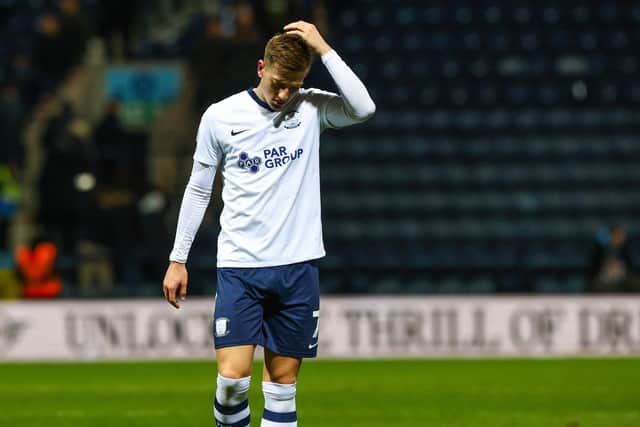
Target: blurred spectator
pixel 49 48
pixel 116 19
pixel 207 66
pixel 60 42
pixel 320 17
pixel 10 193
pixel 111 141
pixel 611 267
pixel 36 265
pixel 246 48
pixel 67 174
pixel 94 257
pixel 153 235
pixel 74 32
pixel 10 287
pixel 95 267
pixel 222 65
pixel 274 14
pixel 111 237
pixel 116 228
pixel 27 79
pixel 12 114
pixel 245 24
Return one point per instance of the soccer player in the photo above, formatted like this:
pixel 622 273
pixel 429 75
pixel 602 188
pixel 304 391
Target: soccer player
pixel 266 139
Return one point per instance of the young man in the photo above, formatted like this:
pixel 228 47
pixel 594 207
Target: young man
pixel 266 140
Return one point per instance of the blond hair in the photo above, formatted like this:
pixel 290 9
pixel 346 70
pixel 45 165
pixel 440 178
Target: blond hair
pixel 288 52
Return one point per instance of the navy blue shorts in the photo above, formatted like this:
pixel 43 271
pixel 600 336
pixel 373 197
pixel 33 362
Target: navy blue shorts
pixel 275 307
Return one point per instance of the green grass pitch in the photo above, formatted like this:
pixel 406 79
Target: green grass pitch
pixel 451 393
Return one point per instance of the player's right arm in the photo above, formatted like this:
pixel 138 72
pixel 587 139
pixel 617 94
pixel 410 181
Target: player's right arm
pixel 175 283
pixel 194 205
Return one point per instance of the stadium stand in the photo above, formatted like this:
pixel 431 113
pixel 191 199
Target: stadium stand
pixel 506 136
pixel 505 139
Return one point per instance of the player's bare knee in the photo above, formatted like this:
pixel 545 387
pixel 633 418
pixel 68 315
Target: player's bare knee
pixel 233 372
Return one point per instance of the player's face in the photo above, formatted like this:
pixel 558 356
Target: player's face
pixel 277 87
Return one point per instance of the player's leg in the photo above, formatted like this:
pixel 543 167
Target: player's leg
pixel 237 330
pixel 280 369
pixel 279 388
pixel 290 334
pixel 231 406
pixel 236 361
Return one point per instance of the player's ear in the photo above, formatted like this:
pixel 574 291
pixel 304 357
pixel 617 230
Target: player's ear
pixel 261 66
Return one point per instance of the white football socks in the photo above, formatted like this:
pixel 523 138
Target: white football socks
pixel 279 405
pixel 231 406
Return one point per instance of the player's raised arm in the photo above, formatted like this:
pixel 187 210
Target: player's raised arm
pixel 355 105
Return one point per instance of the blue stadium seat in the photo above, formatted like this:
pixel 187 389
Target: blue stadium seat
pixel 506 134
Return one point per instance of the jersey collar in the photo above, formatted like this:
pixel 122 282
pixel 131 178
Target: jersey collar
pixel 260 102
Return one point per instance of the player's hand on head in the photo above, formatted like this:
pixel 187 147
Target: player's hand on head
pixel 310 34
pixel 174 284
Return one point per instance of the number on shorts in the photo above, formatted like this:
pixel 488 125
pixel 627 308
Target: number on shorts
pixel 316 314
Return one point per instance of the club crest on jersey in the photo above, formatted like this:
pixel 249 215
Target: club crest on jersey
pixel 291 120
pixel 252 165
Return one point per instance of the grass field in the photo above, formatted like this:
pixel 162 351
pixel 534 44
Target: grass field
pixel 451 393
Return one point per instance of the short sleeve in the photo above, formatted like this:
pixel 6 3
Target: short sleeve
pixel 208 149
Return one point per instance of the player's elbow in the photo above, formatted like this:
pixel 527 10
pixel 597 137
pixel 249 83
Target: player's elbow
pixel 370 110
pixel 366 111
pixel 198 191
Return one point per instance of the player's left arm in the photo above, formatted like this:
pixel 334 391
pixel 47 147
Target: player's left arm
pixel 355 104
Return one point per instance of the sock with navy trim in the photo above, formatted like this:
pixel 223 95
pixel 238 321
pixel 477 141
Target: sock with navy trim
pixel 231 406
pixel 279 405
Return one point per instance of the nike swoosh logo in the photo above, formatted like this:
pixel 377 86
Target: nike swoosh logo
pixel 236 132
pixel 312 346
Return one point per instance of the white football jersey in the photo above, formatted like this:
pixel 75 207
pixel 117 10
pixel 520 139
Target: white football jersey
pixel 271 180
pixel 270 167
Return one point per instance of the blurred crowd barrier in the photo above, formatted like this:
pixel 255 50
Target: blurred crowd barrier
pixel 363 327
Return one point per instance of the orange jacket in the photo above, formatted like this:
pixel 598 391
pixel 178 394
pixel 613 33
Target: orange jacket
pixel 36 267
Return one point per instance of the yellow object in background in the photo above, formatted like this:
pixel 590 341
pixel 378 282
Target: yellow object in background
pixel 10 193
pixel 10 287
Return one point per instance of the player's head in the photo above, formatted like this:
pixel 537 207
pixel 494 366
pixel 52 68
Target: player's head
pixel 286 63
